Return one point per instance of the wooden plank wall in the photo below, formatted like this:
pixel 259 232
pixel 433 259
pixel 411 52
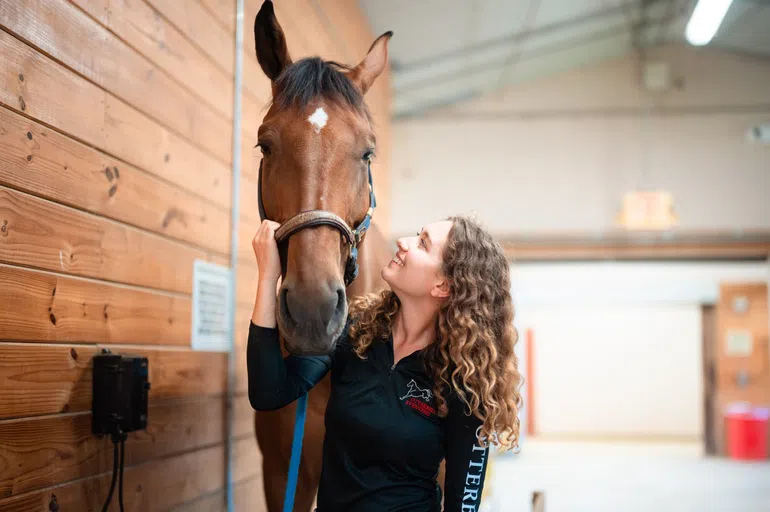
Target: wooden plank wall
pixel 115 175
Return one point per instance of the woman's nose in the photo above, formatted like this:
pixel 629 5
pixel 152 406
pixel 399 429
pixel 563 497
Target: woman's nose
pixel 403 244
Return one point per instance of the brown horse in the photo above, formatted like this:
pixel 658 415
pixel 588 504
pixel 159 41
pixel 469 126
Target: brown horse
pixel 317 140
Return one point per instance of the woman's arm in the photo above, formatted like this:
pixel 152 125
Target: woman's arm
pixel 466 461
pixel 274 382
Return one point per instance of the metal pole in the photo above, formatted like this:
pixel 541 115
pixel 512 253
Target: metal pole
pixel 235 212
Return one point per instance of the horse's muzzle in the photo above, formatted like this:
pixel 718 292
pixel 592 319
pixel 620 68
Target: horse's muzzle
pixel 311 319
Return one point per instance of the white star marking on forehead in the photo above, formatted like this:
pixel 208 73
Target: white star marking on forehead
pixel 318 119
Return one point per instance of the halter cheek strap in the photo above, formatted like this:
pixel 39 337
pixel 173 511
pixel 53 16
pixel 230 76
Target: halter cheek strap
pixel 313 218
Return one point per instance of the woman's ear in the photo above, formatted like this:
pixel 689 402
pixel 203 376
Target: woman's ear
pixel 441 289
pixel 272 53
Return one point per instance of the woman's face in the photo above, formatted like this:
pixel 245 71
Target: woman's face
pixel 415 269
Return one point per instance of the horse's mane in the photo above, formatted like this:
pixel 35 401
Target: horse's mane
pixel 311 78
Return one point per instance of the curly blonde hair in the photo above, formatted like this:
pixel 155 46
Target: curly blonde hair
pixel 474 353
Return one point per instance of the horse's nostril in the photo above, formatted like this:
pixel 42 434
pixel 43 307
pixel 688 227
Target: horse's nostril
pixel 332 307
pixel 340 301
pixel 284 304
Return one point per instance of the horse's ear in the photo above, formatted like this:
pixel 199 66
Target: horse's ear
pixel 373 64
pixel 272 54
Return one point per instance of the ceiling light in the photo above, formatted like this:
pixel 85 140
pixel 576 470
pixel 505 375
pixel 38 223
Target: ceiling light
pixel 705 20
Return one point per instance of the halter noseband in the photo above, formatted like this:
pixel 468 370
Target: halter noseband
pixel 313 218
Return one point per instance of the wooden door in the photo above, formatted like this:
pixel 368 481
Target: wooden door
pixel 742 359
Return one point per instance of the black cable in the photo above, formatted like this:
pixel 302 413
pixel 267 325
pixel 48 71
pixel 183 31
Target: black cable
pixel 114 477
pixel 122 460
pixel 119 437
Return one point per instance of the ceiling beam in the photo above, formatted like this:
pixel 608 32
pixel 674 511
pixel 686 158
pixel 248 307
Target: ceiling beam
pixel 754 251
pixel 495 64
pixel 518 36
pixel 606 112
pixel 501 62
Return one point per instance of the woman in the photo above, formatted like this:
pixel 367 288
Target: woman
pixel 423 372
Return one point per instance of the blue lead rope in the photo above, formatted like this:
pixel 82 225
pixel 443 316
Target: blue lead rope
pixel 296 451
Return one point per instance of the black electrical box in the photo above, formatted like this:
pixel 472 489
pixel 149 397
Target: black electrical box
pixel 120 389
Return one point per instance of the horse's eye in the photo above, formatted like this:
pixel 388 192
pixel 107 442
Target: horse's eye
pixel 264 148
pixel 368 156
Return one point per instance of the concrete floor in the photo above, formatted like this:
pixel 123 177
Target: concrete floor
pixel 624 477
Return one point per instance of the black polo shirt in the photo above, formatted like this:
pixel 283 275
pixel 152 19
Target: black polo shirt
pixel 384 440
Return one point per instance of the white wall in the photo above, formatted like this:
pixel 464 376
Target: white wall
pixel 619 371
pixel 618 344
pixel 556 155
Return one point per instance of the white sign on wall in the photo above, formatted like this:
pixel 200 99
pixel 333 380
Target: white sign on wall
pixel 211 307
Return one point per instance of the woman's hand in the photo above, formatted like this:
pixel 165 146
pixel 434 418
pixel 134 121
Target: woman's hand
pixel 266 251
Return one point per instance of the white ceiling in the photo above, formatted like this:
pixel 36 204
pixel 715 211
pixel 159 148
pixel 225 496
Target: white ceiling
pixel 446 51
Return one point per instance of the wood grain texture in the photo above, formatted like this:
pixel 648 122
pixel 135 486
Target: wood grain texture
pixel 253 107
pixel 243 412
pixel 246 285
pixel 223 11
pixel 154 486
pixel 250 155
pixel 46 379
pixel 243 417
pixel 242 322
pixel 50 379
pixel 63 31
pixel 45 307
pixel 249 207
pixel 46 235
pixel 43 452
pixel 250 495
pixel 346 16
pixel 194 21
pixel 306 19
pixel 45 163
pixel 247 229
pixel 241 372
pixel 247 460
pixel 257 89
pixel 38 87
pixel 143 28
pixel 216 502
pixel 198 23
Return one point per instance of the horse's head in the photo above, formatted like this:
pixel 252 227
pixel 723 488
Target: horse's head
pixel 317 140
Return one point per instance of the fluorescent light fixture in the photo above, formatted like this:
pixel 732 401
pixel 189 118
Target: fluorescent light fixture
pixel 705 20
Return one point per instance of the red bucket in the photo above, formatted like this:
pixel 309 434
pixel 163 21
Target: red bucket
pixel 747 431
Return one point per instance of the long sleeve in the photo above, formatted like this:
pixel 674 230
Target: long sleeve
pixel 275 381
pixel 466 461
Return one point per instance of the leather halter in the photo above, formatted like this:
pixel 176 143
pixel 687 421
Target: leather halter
pixel 313 218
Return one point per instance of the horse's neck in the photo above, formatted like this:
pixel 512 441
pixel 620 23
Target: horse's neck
pixel 373 255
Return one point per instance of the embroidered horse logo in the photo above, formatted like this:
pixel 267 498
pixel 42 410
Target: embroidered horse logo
pixel 417 392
